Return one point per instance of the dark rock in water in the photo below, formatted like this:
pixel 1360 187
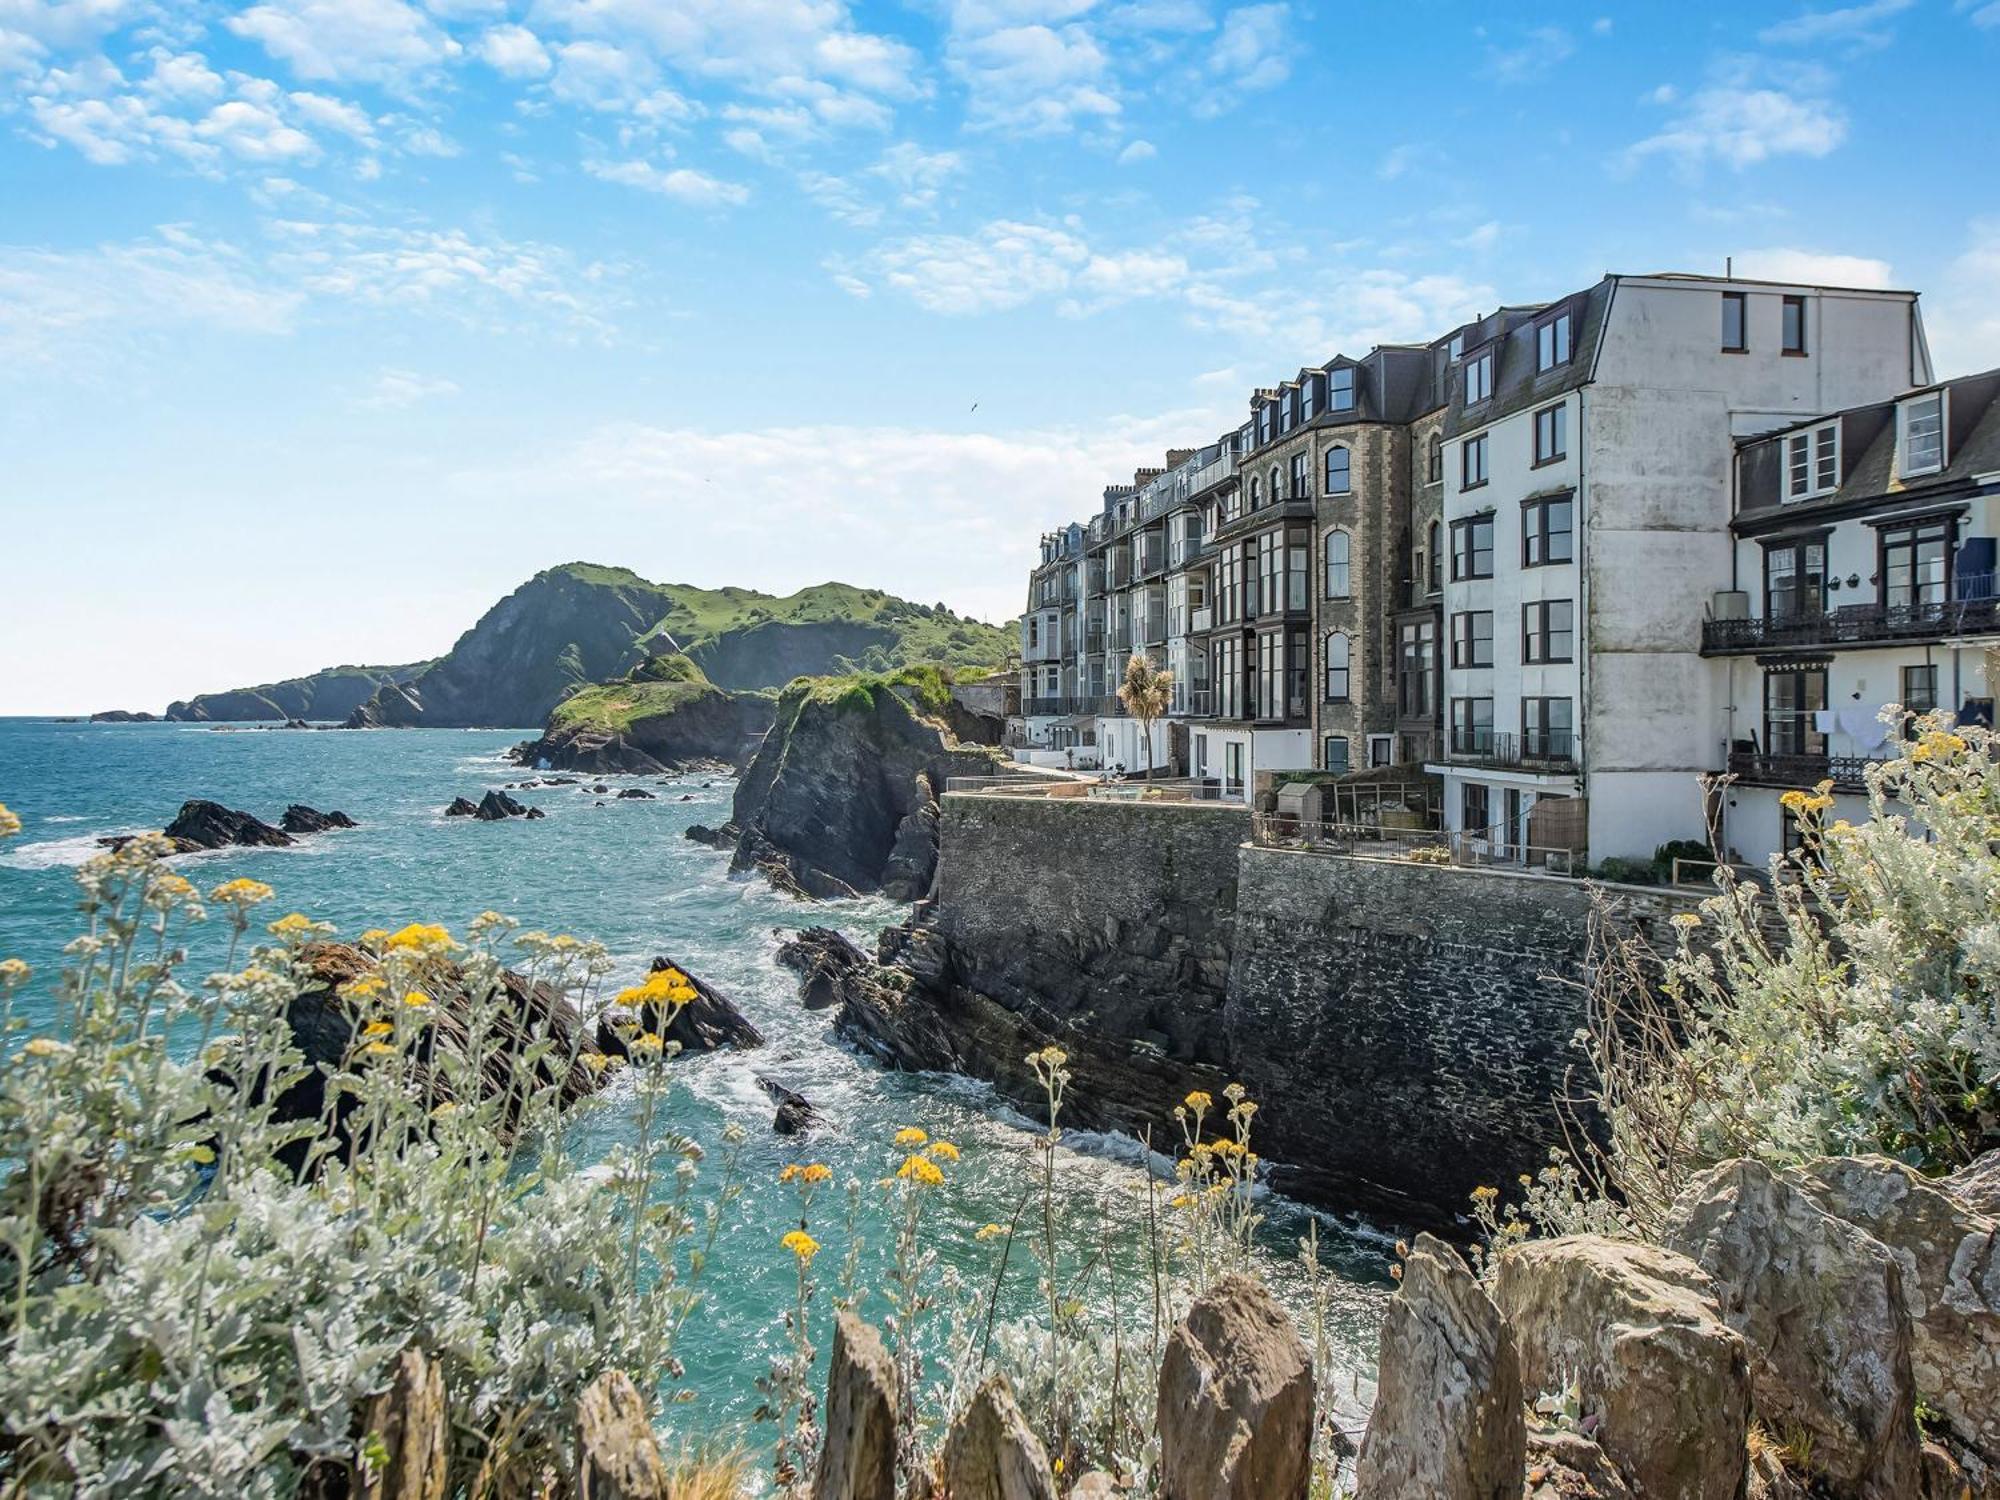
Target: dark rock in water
pixel 558 781
pixel 210 825
pixel 795 1112
pixel 462 808
pixel 115 842
pixel 600 790
pixel 635 794
pixel 297 724
pixel 497 805
pixel 120 716
pixel 821 957
pixel 598 803
pixel 534 812
pixel 687 796
pixel 715 838
pixel 709 1021
pixel 299 818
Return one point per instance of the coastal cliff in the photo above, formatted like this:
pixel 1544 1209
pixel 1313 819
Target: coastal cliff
pixel 328 696
pixel 663 716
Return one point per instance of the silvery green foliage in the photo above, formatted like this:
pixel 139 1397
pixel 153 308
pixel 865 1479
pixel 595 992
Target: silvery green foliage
pixel 181 1315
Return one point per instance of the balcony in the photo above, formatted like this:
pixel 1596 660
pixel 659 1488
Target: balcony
pixel 1093 641
pixel 1546 750
pixel 1044 708
pixel 1152 556
pixel 1118 572
pixel 1153 628
pixel 1196 702
pixel 1201 621
pixel 1975 612
pixel 1119 639
pixel 1800 771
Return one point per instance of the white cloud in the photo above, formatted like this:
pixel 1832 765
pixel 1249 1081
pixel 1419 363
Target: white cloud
pixel 1033 80
pixel 182 75
pixel 334 114
pixel 1741 118
pixel 1813 268
pixel 1003 265
pixel 514 51
pixel 1534 56
pixel 1859 26
pixel 1251 53
pixel 1963 317
pixel 377 41
pixel 601 76
pixel 1984 13
pixel 1137 151
pixel 399 390
pixel 682 184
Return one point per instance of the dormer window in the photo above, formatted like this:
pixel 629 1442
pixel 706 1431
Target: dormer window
pixel 1479 377
pixel 1812 462
pixel 1552 343
pixel 1340 389
pixel 1286 408
pixel 1454 349
pixel 1306 398
pixel 1920 435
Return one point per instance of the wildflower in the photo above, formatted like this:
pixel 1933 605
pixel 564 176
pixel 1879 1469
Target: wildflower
pixel 1794 801
pixel 944 1150
pixel 648 1044
pixel 44 1046
pixel 416 1000
pixel 920 1169
pixel 241 892
pixel 989 1232
pixel 909 1137
pixel 13 971
pixel 167 890
pixel 379 1049
pixel 1687 921
pixel 1395 1273
pixel 1198 1101
pixel 377 1028
pixel 364 987
pixel 791 1172
pixel 200 1155
pixel 428 938
pixel 801 1244
pixel 297 924
pixel 816 1173
pixel 1526 1180
pixel 374 937
pixel 1485 1194
pixel 10 822
pixel 597 1062
pixel 445 1110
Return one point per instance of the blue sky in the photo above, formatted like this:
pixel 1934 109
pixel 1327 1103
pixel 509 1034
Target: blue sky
pixel 323 323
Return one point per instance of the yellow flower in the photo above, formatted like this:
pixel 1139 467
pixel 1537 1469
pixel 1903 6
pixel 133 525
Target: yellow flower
pixel 944 1150
pixel 44 1046
pixel 816 1172
pixel 1485 1194
pixel 1199 1100
pixel 10 822
pixel 1687 921
pixel 13 971
pixel 374 937
pixel 595 1061
pixel 1794 801
pixel 989 1232
pixel 648 1044
pixel 172 888
pixel 909 1136
pixel 920 1169
pixel 662 987
pixel 298 924
pixel 364 987
pixel 801 1244
pixel 379 1049
pixel 377 1028
pixel 421 937
pixel 449 1107
pixel 241 892
pixel 416 1000
pixel 791 1172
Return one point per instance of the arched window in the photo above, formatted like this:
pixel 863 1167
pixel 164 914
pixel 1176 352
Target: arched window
pixel 1437 557
pixel 1336 667
pixel 1338 474
pixel 1337 546
pixel 1333 755
pixel 1277 485
pixel 1256 493
pixel 1437 458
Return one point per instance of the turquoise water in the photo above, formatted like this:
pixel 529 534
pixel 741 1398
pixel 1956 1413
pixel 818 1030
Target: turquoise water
pixel 622 874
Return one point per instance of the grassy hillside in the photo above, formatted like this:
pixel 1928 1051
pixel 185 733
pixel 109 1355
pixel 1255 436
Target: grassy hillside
pixel 922 632
pixel 612 706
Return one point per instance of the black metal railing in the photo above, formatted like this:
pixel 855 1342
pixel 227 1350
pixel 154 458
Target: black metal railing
pixel 1975 609
pixel 1798 770
pixel 1480 746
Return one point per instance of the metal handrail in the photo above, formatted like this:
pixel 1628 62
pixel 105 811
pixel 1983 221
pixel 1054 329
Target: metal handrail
pixel 1482 849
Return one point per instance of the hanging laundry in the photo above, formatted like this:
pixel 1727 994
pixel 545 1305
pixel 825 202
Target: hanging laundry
pixel 1864 725
pixel 1824 721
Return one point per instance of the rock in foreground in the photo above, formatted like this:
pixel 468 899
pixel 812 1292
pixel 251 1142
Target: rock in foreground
pixel 1235 1410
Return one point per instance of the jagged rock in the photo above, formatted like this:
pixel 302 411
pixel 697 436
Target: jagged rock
pixel 992 1454
pixel 1096 1485
pixel 714 838
pixel 1978 1186
pixel 1770 1480
pixel 858 1458
pixel 496 805
pixel 795 1112
pixel 1948 1258
pixel 1235 1413
pixel 709 1021
pixel 1447 1423
pixel 617 1455
pixel 299 818
pixel 635 794
pixel 1638 1330
pixel 1821 1304
pixel 410 1422
pixel 210 825
pixel 1569 1466
pixel 821 957
pixel 462 807
pixel 534 812
pixel 558 781
pixel 912 862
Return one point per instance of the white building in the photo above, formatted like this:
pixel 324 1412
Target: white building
pixel 1863 580
pixel 1588 453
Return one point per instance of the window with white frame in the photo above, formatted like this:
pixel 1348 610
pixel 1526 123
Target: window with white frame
pixel 1812 462
pixel 1338 652
pixel 1337 549
pixel 1920 442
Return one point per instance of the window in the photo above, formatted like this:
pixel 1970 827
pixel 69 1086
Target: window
pixel 1264 424
pixel 1552 343
pixel 1333 754
pixel 1734 328
pixel 1436 469
pixel 1919 689
pixel 1306 399
pixel 1337 547
pixel 1338 677
pixel 1916 564
pixel 1381 750
pixel 1472 548
pixel 1339 479
pixel 1792 700
pixel 1229 586
pixel 1472 638
pixel 1475 811
pixel 1340 389
pixel 1256 493
pixel 1479 377
pixel 1228 653
pixel 1454 349
pixel 1794 341
pixel 1812 462
pixel 1472 463
pixel 1300 487
pixel 1297 550
pixel 1546 728
pixel 1277 485
pixel 1436 580
pixel 1472 726
pixel 1232 767
pixel 1418 653
pixel 1546 535
pixel 1286 408
pixel 1920 443
pixel 1551 434
pixel 1794 580
pixel 1548 631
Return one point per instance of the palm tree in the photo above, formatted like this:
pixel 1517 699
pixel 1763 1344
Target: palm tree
pixel 1146 692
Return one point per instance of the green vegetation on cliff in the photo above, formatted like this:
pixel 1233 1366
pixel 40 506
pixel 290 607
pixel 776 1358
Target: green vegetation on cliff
pixel 614 706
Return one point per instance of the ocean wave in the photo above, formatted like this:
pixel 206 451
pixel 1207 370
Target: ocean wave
pixel 55 854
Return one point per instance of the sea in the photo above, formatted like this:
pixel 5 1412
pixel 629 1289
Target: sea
pixel 622 873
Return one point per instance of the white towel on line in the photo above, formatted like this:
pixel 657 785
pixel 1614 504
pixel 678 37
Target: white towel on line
pixel 1864 725
pixel 1825 721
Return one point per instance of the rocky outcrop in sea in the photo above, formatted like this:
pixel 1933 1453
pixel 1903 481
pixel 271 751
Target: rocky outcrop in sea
pixel 201 824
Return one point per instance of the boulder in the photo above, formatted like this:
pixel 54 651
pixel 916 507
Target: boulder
pixel 1447 1423
pixel 210 825
pixel 1569 1466
pixel 299 818
pixel 1948 1260
pixel 1821 1303
pixel 1235 1413
pixel 1978 1186
pixel 795 1112
pixel 820 956
pixel 709 1021
pixel 635 794
pixel 912 861
pixel 410 1422
pixel 992 1454
pixel 462 808
pixel 857 1460
pixel 1638 1331
pixel 533 813
pixel 617 1457
pixel 723 838
pixel 497 805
